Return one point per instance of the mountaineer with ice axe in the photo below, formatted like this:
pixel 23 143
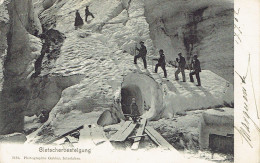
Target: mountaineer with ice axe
pixel 161 63
pixel 181 67
pixel 142 54
pixel 196 70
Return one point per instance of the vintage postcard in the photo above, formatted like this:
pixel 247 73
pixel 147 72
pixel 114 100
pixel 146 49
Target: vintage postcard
pixel 129 81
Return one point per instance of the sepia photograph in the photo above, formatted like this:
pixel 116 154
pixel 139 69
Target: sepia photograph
pixel 123 81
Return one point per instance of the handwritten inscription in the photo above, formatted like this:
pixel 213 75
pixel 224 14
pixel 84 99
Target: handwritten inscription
pixel 246 82
pixel 237 29
pixel 244 130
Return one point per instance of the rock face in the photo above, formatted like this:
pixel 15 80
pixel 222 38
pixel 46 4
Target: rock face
pixel 205 25
pixel 4 26
pixel 48 3
pixel 79 74
pixel 23 48
pixel 107 118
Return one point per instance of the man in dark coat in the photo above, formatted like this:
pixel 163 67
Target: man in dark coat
pixel 142 54
pixel 134 110
pixel 43 116
pixel 161 63
pixel 88 13
pixel 196 70
pixel 181 67
pixel 78 20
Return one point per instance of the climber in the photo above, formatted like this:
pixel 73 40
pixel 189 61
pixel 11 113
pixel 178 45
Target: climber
pixel 142 54
pixel 161 63
pixel 134 110
pixel 78 20
pixel 196 70
pixel 43 117
pixel 88 13
pixel 181 67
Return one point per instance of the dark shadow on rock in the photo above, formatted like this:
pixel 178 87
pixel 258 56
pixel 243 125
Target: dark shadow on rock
pixel 107 118
pixel 138 68
pixel 189 88
pixel 207 93
pixel 171 87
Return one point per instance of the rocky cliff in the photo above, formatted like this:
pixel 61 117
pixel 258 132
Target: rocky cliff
pixel 20 49
pixel 203 27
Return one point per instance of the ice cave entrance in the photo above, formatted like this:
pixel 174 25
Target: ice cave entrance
pixel 127 93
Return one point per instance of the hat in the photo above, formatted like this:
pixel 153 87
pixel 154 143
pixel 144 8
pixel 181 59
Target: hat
pixel 179 54
pixel 195 55
pixel 141 42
